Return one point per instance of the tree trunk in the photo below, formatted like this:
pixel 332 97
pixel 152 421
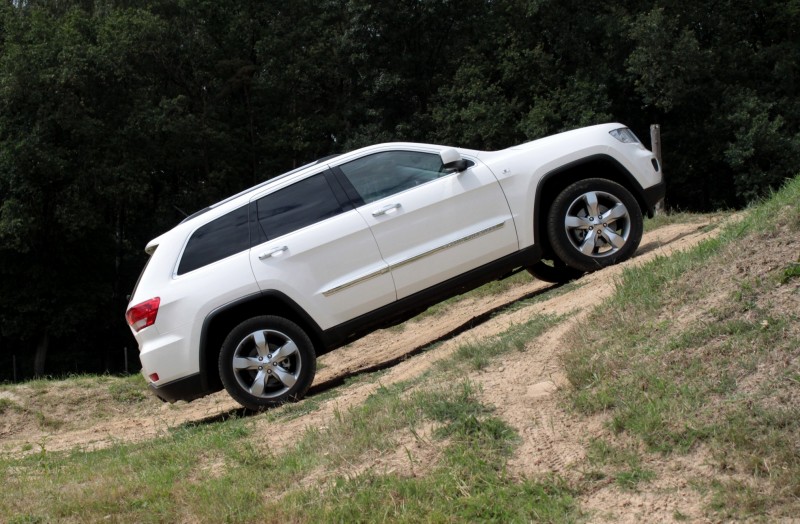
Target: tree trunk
pixel 41 355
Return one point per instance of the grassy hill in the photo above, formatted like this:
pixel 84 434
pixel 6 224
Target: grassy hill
pixel 665 389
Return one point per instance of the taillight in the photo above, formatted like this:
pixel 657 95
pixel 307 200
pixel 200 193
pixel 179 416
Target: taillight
pixel 142 315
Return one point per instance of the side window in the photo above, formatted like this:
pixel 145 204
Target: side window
pixel 382 174
pixel 297 206
pixel 220 238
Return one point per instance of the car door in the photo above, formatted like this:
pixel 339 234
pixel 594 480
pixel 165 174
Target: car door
pixel 312 246
pixel 430 224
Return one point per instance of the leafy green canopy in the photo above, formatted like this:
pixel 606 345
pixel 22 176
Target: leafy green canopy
pixel 116 117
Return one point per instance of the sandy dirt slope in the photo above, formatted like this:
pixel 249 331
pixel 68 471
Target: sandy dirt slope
pixel 553 440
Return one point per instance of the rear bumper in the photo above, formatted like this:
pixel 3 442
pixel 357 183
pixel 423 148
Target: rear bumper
pixel 187 388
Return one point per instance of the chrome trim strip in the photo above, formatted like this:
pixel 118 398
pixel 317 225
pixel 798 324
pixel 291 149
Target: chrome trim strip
pixel 433 251
pixel 358 280
pixel 448 245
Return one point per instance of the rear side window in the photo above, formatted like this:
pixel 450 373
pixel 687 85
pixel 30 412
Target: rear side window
pixel 220 238
pixel 304 203
pixel 147 262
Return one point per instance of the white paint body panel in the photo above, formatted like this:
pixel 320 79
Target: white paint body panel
pixel 170 346
pixel 442 229
pixel 322 257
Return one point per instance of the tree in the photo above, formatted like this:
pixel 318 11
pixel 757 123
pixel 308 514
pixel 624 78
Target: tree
pixel 117 118
pixel 719 78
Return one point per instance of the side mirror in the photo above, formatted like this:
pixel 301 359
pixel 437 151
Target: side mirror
pixel 452 161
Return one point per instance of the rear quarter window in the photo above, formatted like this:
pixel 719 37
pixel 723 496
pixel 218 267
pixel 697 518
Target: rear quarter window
pixel 220 238
pixel 297 206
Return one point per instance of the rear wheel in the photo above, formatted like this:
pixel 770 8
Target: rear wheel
pixel 266 361
pixel 594 223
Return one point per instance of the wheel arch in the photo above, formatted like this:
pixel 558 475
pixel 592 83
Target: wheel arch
pixel 555 181
pixel 222 320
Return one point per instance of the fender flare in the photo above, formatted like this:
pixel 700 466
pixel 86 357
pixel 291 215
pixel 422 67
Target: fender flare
pixel 269 301
pixel 619 174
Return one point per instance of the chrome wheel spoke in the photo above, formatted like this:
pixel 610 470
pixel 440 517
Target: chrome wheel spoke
pixel 240 363
pixel 261 343
pixel 613 238
pixel 591 203
pixel 286 378
pixel 286 350
pixel 614 213
pixel 257 388
pixel 589 242
pixel 576 222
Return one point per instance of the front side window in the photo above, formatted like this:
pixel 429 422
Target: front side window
pixel 303 203
pixel 383 174
pixel 220 238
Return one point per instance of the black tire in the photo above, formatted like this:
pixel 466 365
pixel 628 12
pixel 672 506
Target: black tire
pixel 594 223
pixel 266 361
pixel 554 271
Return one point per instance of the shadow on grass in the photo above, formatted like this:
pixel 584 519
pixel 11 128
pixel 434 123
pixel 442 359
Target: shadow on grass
pixel 323 387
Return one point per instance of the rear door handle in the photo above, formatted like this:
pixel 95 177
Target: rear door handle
pixel 278 251
pixel 391 208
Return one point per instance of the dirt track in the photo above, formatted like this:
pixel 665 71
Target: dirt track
pixel 553 440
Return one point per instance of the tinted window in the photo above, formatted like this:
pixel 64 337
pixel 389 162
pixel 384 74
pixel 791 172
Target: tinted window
pixel 221 238
pixel 383 174
pixel 297 206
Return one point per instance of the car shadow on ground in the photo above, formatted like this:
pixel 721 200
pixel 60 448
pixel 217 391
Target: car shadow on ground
pixel 473 322
pixel 655 244
pixel 340 380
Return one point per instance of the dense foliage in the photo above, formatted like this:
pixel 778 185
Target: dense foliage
pixel 116 117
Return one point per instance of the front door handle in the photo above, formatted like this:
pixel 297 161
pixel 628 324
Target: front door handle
pixel 278 251
pixel 391 208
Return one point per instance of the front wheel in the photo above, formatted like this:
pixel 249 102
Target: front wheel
pixel 266 361
pixel 594 223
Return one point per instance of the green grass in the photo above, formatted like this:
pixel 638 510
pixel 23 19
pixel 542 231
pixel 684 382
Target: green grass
pixel 75 401
pixel 791 272
pixel 485 353
pixel 624 464
pixel 143 483
pixel 469 483
pixel 129 390
pixel 8 405
pixel 293 410
pixel 226 472
pixel 465 489
pixel 229 471
pixel 676 383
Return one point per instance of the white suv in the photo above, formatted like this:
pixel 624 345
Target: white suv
pixel 245 294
